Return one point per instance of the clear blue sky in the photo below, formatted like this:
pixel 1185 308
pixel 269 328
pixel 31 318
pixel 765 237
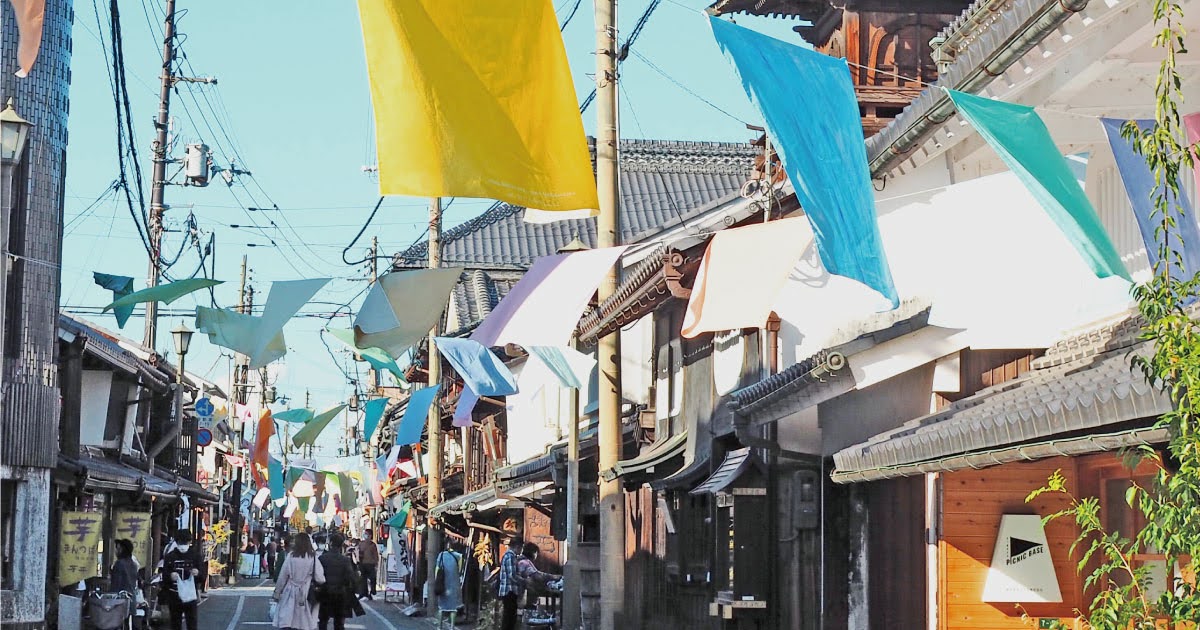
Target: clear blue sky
pixel 293 104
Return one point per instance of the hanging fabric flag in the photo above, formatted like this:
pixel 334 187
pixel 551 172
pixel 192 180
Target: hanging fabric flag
pixel 120 287
pixel 572 368
pixel 465 407
pixel 402 307
pixel 30 14
pixel 372 414
pixel 165 293
pixel 348 494
pixel 262 442
pixel 308 434
pixel 543 308
pixel 1191 125
pixel 275 479
pixel 304 503
pixel 381 464
pixel 375 357
pixel 295 416
pixel 476 101
pixel 235 461
pixel 259 337
pixel 479 368
pixel 261 497
pixel 374 485
pixel 1142 192
pixel 818 133
pixel 398 520
pixel 742 274
pixel 415 415
pixel 1022 141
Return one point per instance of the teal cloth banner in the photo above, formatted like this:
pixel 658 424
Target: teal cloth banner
pixel 415 415
pixel 372 413
pixel 314 427
pixel 808 102
pixel 275 479
pixel 120 287
pixel 165 293
pixel 1021 139
pixel 294 416
pixel 375 357
pixel 349 496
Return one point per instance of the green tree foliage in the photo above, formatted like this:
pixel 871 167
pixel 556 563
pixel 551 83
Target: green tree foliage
pixel 1170 504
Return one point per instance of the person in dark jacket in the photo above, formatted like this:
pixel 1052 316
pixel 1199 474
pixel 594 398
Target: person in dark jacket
pixel 124 570
pixel 181 563
pixel 338 598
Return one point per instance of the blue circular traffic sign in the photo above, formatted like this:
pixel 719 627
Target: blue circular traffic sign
pixel 203 437
pixel 204 407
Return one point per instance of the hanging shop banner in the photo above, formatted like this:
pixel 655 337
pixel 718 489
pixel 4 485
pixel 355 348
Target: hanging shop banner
pixel 314 427
pixel 415 415
pixel 165 293
pixel 818 133
pixel 259 337
pixel 1020 138
pixel 544 306
pixel 120 287
pixel 78 545
pixel 402 307
pixel 1022 570
pixel 1142 191
pixel 476 100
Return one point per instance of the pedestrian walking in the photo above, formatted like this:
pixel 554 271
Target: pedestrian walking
pixel 368 564
pixel 296 577
pixel 282 555
pixel 180 568
pixel 271 556
pixel 447 582
pixel 339 595
pixel 508 589
pixel 124 570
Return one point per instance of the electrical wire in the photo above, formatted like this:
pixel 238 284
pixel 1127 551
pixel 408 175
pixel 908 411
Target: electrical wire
pixel 683 87
pixel 571 16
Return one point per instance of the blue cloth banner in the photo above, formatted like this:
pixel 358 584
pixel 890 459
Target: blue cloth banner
pixel 808 102
pixel 1142 192
pixel 463 411
pixel 372 413
pixel 275 479
pixel 479 368
pixel 415 415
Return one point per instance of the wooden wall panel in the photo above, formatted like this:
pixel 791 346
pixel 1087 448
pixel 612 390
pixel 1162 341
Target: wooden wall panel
pixel 972 504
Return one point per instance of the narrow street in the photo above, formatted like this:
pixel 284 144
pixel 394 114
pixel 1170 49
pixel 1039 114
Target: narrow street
pixel 244 607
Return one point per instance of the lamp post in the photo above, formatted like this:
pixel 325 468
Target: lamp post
pixel 183 339
pixel 14 132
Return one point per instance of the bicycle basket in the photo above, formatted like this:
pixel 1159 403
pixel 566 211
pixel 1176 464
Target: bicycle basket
pixel 108 611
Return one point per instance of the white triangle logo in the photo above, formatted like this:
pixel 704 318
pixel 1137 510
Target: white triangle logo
pixel 1022 570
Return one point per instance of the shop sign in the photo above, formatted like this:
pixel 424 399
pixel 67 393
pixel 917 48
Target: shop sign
pixel 78 545
pixel 135 527
pixel 1022 569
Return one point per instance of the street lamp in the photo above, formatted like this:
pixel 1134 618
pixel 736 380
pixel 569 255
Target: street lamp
pixel 183 338
pixel 14 131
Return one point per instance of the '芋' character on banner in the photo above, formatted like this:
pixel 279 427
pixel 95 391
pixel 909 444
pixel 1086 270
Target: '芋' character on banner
pixel 78 545
pixel 135 527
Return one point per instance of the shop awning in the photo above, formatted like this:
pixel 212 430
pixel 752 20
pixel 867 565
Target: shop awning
pixel 518 481
pixel 736 463
pixel 109 474
pixel 197 492
pixel 684 478
pixel 1059 400
pixel 647 460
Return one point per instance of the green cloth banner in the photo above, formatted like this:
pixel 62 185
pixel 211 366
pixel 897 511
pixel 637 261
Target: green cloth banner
pixel 120 286
pixel 375 357
pixel 346 490
pixel 165 293
pixel 1021 139
pixel 314 427
pixel 295 416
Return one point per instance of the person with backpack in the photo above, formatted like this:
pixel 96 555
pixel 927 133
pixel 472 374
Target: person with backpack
pixel 181 564
pixel 338 596
pixel 447 583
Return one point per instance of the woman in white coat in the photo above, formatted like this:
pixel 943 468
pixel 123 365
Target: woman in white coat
pixel 300 571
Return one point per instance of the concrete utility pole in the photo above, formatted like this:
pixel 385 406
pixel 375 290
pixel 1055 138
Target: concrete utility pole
pixel 159 173
pixel 612 501
pixel 433 533
pixel 372 373
pixel 240 385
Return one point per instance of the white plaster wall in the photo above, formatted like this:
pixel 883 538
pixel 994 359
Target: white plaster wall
pixel 27 603
pixel 93 413
pixel 637 352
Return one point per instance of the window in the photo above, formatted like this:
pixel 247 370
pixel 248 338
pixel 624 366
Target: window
pixel 8 516
pixel 1127 521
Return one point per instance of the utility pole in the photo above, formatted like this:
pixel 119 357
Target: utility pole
pixel 372 373
pixel 307 452
pixel 612 501
pixel 240 386
pixel 159 171
pixel 433 533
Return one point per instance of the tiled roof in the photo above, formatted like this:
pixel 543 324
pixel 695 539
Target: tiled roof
pixel 661 181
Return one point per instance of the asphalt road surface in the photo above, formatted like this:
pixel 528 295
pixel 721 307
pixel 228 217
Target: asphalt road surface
pixel 244 607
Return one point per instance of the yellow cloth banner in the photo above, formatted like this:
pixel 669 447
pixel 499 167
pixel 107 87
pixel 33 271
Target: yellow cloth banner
pixel 475 99
pixel 78 545
pixel 135 527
